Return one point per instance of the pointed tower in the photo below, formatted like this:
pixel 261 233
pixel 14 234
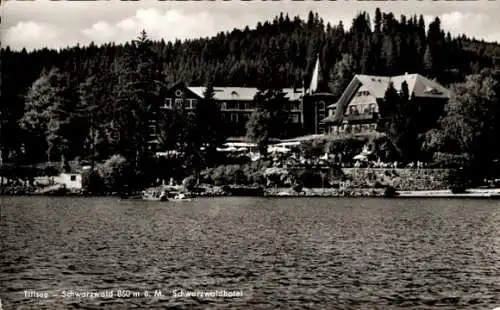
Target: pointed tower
pixel 315 104
pixel 315 78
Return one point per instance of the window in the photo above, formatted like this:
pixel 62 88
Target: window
pixel 190 103
pixel 178 103
pixel 432 90
pixel 294 118
pixel 353 110
pixel 230 105
pixel 168 103
pixel 194 102
pixel 179 93
pixel 321 105
pixel 294 106
pixel 241 105
pixel 234 117
pixel 223 106
pixel 72 178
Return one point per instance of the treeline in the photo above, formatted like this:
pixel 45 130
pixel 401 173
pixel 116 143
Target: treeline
pixel 94 100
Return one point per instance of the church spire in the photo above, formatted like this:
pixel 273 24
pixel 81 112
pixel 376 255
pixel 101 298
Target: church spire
pixel 315 78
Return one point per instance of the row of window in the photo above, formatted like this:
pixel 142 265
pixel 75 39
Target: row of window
pixel 362 93
pixel 353 128
pixel 236 106
pixel 356 128
pixel 361 109
pixel 186 103
pixel 243 117
pixel 191 103
pixel 250 106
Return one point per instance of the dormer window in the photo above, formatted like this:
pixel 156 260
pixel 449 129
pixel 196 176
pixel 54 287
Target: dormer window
pixel 234 94
pixel 432 90
pixel 179 93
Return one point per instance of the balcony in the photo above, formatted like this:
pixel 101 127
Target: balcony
pixel 362 118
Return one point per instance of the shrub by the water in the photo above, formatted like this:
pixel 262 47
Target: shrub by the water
pixel 378 185
pixel 189 183
pixel 115 173
pixel 92 181
pixel 458 181
pixel 390 192
pixel 297 187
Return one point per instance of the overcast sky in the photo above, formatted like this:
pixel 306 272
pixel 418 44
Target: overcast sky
pixel 53 24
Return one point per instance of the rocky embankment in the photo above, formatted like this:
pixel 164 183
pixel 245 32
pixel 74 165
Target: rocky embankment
pixel 326 192
pixel 217 191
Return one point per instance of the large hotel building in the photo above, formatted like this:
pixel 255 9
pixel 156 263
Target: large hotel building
pixel 356 111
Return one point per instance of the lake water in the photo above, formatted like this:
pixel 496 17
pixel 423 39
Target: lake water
pixel 303 253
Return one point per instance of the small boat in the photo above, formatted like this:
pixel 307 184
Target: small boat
pixel 154 196
pixel 180 198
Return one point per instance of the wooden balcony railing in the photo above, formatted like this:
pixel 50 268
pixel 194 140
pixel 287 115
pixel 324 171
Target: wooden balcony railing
pixel 363 117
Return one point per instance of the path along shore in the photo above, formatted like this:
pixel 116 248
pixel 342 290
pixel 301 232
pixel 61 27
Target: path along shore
pixel 470 193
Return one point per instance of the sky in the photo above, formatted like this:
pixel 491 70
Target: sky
pixel 57 24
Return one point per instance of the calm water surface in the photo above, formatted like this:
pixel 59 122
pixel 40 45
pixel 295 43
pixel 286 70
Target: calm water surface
pixel 281 253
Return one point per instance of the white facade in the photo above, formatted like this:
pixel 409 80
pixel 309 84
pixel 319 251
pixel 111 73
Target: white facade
pixel 70 180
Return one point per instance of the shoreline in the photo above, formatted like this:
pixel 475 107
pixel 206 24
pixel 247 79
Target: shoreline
pixel 470 193
pixel 215 191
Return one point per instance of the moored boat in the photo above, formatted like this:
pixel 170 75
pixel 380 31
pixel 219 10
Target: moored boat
pixel 180 198
pixel 154 195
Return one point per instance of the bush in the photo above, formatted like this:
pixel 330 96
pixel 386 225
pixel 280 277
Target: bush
pixel 239 177
pixel 390 192
pixel 189 183
pixel 449 160
pixel 92 182
pixel 458 181
pixel 309 178
pixel 297 187
pixel 115 173
pixel 50 170
pixel 378 185
pixel 458 189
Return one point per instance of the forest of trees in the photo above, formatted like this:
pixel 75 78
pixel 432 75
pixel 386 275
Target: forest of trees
pixel 93 101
